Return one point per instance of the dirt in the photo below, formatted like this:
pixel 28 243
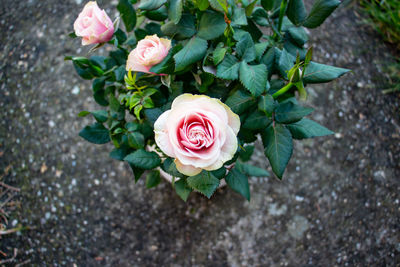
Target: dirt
pixel 338 204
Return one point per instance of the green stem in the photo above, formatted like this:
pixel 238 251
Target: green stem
pixel 281 14
pixel 282 90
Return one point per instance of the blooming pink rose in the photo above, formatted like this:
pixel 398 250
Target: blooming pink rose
pixel 199 132
pixel 93 25
pixel 148 52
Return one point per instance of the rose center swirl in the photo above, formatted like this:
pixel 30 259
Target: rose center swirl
pixel 196 132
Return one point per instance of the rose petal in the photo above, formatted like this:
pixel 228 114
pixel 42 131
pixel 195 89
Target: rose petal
pixel 186 169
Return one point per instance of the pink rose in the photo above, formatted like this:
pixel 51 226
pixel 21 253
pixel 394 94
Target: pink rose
pixel 199 132
pixel 93 25
pixel 148 52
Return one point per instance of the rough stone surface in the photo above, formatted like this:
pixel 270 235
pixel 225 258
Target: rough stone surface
pixel 338 204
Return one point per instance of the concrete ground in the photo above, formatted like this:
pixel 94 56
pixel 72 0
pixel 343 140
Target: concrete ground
pixel 338 204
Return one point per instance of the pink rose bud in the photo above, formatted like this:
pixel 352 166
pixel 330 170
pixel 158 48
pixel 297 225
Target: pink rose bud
pixel 148 52
pixel 199 132
pixel 93 25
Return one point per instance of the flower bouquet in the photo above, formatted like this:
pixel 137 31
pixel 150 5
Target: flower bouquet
pixel 190 84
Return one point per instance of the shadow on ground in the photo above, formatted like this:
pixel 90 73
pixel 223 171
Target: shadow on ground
pixel 337 205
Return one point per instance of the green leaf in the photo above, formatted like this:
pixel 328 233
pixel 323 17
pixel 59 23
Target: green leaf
pixel 246 152
pixel 83 113
pixel 204 182
pixel 240 101
pixel 245 48
pixel 251 170
pixel 143 159
pixel 238 182
pixel 253 77
pixel 137 172
pixel 183 30
pixel 183 189
pixel 219 173
pixel 288 112
pixel 278 146
pixel 219 53
pixel 296 11
pixel 250 8
pixel 229 68
pixel 299 35
pixel 128 14
pixel 267 4
pixel 320 73
pixel 169 167
pixel 95 133
pixel 269 59
pixel 135 140
pixel 211 25
pixel 202 4
pixel 306 128
pixel 119 153
pixel 100 115
pixel 153 179
pixel 159 14
pixel 219 5
pixel 320 10
pixel 193 51
pixel 256 120
pixel 239 17
pixel 260 49
pixel 137 110
pixel 266 103
pixel 151 4
pixel 175 10
pixel 285 63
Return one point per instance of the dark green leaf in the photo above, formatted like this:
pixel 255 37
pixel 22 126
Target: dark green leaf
pixel 137 172
pixel 246 152
pixel 135 140
pixel 151 4
pixel 240 101
pixel 95 133
pixel 260 49
pixel 286 62
pixel 266 104
pixel 183 30
pixel 119 153
pixel 100 115
pixel 245 48
pixel 193 51
pixel 253 77
pixel 256 120
pixel 229 68
pixel 204 182
pixel 220 173
pixel 169 167
pixel 183 189
pixel 153 179
pixel 320 73
pixel 159 14
pixel 128 14
pixel 296 11
pixel 278 146
pixel 211 25
pixel 267 4
pixel 219 53
pixel 250 8
pixel 239 16
pixel 251 170
pixel 152 114
pixel 238 182
pixel 175 10
pixel 143 159
pixel 320 10
pixel 299 35
pixel 306 128
pixel 289 112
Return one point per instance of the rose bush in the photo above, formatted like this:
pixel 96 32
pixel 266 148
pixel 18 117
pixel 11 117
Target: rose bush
pixel 93 25
pixel 190 86
pixel 199 132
